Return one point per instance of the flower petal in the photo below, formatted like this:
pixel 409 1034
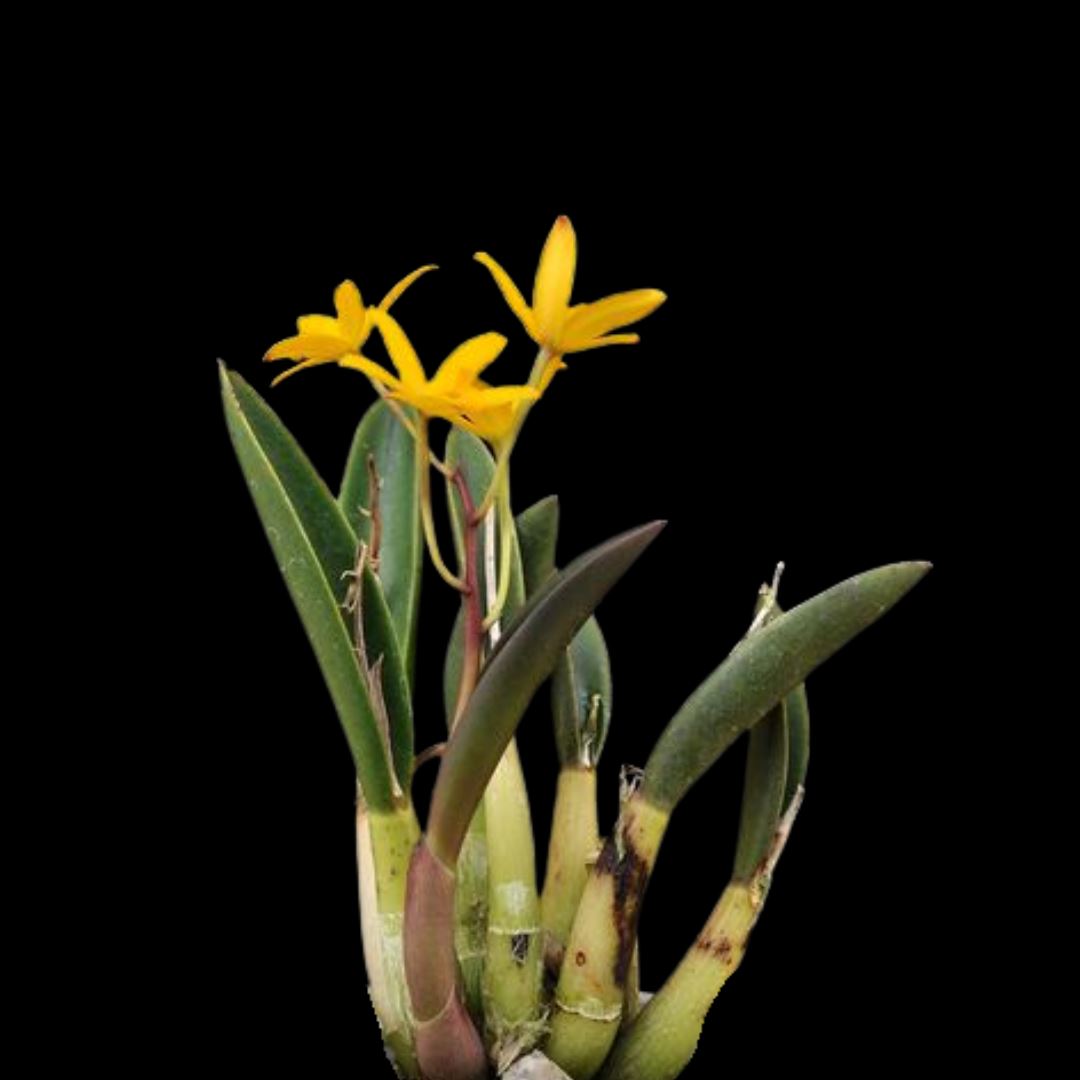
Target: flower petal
pixel 587 322
pixel 511 294
pixel 371 370
pixel 321 347
pixel 302 366
pixel 494 425
pixel 400 349
pixel 465 363
pixel 318 326
pixel 491 397
pixel 350 310
pixel 555 278
pixel 611 339
pixel 394 294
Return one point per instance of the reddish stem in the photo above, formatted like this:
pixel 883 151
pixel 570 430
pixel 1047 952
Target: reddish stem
pixel 447 1042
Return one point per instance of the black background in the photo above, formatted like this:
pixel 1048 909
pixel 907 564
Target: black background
pixel 794 399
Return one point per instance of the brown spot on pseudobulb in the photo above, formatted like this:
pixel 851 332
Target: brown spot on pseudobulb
pixel 630 876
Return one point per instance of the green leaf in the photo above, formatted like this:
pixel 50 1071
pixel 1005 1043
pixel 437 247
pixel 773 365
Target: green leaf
pixel 581 698
pixel 524 658
pixel 581 683
pixel 382 438
pixel 798 718
pixel 383 652
pixel 315 549
pixel 538 530
pixel 763 791
pixel 766 764
pixel 761 670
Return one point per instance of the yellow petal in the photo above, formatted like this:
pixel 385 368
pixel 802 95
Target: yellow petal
pixel 466 362
pixel 493 396
pixel 611 339
pixel 302 366
pixel 400 349
pixel 551 368
pixel 494 426
pixel 587 322
pixel 371 370
pixel 392 296
pixel 555 278
pixel 511 295
pixel 350 310
pixel 321 347
pixel 318 326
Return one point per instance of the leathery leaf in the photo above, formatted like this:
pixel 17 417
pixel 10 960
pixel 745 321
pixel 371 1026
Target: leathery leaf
pixel 316 551
pixel 383 448
pixel 761 670
pixel 523 659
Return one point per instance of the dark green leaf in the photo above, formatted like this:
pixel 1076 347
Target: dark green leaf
pixel 761 670
pixel 315 548
pixel 538 530
pixel 381 438
pixel 798 717
pixel 763 791
pixel 524 658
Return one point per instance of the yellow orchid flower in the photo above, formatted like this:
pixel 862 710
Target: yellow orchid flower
pixel 455 392
pixel 322 339
pixel 551 322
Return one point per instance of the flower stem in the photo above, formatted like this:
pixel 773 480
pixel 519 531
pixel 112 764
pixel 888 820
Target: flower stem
pixel 506 545
pixel 423 457
pixel 502 463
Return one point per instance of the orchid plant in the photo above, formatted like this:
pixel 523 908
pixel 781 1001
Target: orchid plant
pixel 471 966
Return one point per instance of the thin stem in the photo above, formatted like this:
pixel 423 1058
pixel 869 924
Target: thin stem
pixel 502 463
pixel 423 457
pixel 506 529
pixel 407 424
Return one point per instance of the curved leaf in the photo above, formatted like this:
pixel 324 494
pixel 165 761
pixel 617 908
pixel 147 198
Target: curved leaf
pixel 762 669
pixel 315 549
pixel 798 717
pixel 523 659
pixel 763 791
